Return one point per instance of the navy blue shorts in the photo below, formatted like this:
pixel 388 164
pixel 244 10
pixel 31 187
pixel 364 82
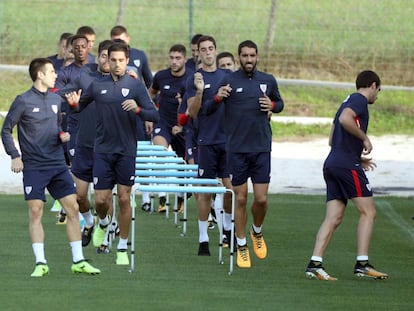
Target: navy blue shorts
pixel 58 182
pixel 111 169
pixel 82 163
pixel 72 128
pixel 343 183
pixel 177 142
pixel 191 153
pixel 255 165
pixel 212 161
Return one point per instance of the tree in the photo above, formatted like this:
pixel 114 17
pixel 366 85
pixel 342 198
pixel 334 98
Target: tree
pixel 121 11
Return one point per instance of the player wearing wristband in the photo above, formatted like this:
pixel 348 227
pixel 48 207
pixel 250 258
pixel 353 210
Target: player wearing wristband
pixel 116 98
pixel 211 140
pixel 167 88
pixel 247 96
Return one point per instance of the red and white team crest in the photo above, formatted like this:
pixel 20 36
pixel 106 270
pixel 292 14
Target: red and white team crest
pixel 95 180
pixel 28 189
pixel 55 108
pixel 263 88
pixel 200 172
pixel 125 92
pixel 137 63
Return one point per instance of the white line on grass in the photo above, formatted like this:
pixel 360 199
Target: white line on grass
pixel 395 218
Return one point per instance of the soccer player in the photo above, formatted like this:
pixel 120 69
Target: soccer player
pixel 344 174
pixel 210 136
pixel 59 58
pixel 90 34
pixel 116 98
pixel 191 63
pixel 37 115
pixel 225 60
pixel 168 86
pixel 247 96
pixel 82 161
pixel 67 75
pixel 137 58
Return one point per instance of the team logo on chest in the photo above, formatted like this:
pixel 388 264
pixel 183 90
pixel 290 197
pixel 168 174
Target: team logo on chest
pixel 55 108
pixel 263 87
pixel 125 92
pixel 28 189
pixel 137 63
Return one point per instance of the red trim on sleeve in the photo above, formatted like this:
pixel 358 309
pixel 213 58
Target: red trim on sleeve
pixel 183 119
pixel 54 90
pixel 273 105
pixel 61 133
pixel 138 110
pixel 217 100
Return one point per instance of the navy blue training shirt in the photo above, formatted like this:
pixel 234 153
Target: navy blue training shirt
pixel 115 128
pixel 38 117
pixel 346 149
pixel 247 128
pixel 210 125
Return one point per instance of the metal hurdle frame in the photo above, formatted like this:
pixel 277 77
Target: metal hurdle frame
pixel 199 189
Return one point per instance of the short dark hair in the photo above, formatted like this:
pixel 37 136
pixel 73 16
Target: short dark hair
pixel 225 54
pixel 366 78
pixel 178 48
pixel 76 37
pixel 118 30
pixel 65 36
pixel 85 30
pixel 248 44
pixel 104 45
pixel 119 47
pixel 206 38
pixel 195 38
pixel 36 65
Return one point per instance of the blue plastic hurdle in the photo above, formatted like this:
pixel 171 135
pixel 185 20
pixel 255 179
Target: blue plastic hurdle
pixel 160 170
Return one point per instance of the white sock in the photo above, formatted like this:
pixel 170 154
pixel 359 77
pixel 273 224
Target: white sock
pixel 362 258
pixel 257 229
pixel 316 258
pixel 104 222
pixel 202 229
pixel 145 197
pixel 77 253
pixel 88 219
pixel 227 222
pixel 218 202
pixel 123 243
pixel 39 252
pixel 241 241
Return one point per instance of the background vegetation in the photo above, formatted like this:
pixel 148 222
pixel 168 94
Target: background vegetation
pixel 328 40
pixel 312 39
